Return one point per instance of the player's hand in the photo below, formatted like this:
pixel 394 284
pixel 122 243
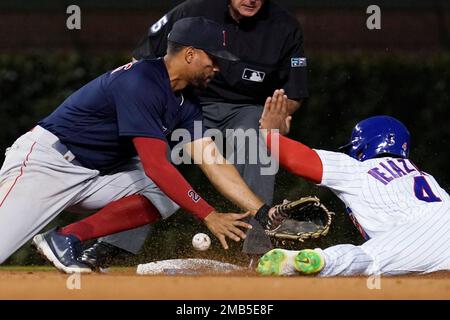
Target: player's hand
pixel 275 114
pixel 224 225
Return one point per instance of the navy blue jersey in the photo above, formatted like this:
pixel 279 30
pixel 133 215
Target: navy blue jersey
pixel 97 122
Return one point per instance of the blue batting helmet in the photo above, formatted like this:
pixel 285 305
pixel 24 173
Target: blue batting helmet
pixel 379 135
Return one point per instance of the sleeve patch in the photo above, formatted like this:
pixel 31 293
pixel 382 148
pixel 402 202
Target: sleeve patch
pixel 298 62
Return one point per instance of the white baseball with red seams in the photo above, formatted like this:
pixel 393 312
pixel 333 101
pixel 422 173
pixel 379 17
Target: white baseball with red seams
pixel 201 242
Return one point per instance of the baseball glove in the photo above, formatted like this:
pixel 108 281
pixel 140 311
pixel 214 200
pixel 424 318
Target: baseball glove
pixel 299 220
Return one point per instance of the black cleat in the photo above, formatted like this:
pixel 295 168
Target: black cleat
pixel 99 255
pixel 61 250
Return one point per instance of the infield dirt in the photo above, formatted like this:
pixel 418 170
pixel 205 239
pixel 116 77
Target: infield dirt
pixel 125 284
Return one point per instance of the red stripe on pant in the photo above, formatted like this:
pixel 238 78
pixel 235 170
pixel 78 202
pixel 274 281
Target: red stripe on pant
pixel 24 164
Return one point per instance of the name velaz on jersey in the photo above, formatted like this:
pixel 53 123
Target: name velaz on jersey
pixel 391 169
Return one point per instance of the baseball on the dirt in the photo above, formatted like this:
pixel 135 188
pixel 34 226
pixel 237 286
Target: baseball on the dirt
pixel 201 242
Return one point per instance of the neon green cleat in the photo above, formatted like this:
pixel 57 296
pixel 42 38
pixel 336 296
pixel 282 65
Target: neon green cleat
pixel 278 262
pixel 308 261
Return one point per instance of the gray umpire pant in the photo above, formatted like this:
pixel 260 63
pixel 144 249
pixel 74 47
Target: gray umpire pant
pixel 222 116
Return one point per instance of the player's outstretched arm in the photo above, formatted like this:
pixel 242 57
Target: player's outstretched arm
pixel 297 158
pixel 224 225
pixel 152 153
pixel 223 175
pixel 292 155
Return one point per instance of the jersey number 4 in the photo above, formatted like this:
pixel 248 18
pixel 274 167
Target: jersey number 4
pixel 423 190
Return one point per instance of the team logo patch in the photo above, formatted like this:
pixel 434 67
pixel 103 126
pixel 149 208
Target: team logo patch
pixel 298 62
pixel 253 75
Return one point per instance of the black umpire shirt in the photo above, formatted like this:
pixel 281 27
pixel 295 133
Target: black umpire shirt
pixel 269 45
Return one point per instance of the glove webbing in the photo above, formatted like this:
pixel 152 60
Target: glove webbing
pixel 284 210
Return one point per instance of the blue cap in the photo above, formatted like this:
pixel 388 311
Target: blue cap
pixel 201 33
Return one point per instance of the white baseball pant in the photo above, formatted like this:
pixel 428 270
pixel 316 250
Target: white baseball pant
pixel 419 246
pixel 37 182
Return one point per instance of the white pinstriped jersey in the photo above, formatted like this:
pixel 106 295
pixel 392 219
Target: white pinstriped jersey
pixel 382 193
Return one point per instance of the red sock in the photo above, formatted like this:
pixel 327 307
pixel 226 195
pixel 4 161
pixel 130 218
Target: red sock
pixel 124 214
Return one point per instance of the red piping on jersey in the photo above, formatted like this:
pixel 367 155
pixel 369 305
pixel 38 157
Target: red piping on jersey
pixel 24 164
pixel 298 158
pixel 224 38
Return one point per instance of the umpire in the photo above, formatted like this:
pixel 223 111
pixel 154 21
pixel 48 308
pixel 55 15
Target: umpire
pixel 269 42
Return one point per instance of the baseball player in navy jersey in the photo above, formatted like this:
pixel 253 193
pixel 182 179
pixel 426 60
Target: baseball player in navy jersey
pixel 269 43
pixel 400 209
pixel 83 156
